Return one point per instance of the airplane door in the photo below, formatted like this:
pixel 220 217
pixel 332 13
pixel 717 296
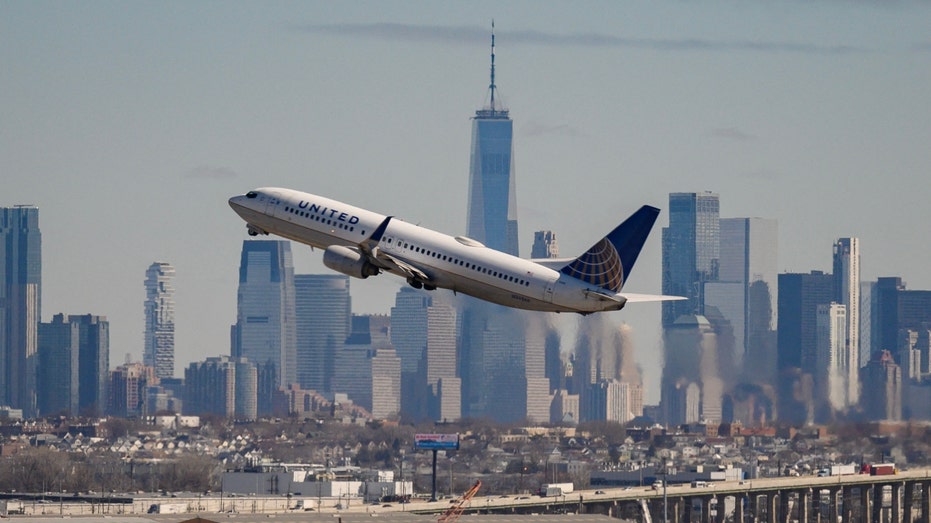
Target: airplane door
pixel 274 202
pixel 548 292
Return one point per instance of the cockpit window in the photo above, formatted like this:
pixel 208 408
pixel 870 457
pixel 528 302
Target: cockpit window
pixel 251 194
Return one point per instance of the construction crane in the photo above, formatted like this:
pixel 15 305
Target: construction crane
pixel 458 505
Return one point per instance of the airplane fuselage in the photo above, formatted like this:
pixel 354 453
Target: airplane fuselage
pixel 455 263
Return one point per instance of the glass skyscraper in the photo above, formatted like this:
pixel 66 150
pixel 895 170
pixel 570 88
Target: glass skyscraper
pixel 691 251
pixel 492 215
pixel 74 365
pixel 324 313
pixel 265 329
pixel 745 294
pixel 159 350
pixel 20 305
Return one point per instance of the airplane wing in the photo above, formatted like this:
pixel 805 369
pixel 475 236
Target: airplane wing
pixel 385 261
pixel 391 262
pixel 635 298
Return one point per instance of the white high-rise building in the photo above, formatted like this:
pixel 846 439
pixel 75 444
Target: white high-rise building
pixel 159 350
pixel 832 362
pixel 386 383
pixel 847 292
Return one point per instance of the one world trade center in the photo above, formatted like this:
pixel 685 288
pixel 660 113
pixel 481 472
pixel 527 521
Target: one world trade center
pixel 492 216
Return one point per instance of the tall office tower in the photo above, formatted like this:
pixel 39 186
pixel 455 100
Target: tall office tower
pixel 544 245
pixel 211 387
pixel 748 265
pixel 613 400
pixel 57 377
pixel 831 364
pixel 511 382
pixel 408 326
pixel 20 305
pixel 438 364
pixel 866 321
pixel 159 351
pixel 847 292
pixel 386 384
pixel 799 298
pixel 923 346
pixel 352 373
pixel 128 383
pixel 895 308
pixel 882 388
pixel 603 354
pixel 265 330
pixel 691 246
pixel 796 340
pixel 323 309
pixel 271 398
pixel 691 368
pixel 423 332
pixel 245 404
pixel 367 370
pixel 909 355
pixel 93 363
pixel 492 216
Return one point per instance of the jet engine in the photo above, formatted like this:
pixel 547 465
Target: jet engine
pixel 348 261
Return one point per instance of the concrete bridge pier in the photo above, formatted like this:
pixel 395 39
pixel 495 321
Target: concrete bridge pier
pixel 784 512
pixel 866 504
pixel 925 506
pixel 877 501
pixel 897 489
pixel 673 510
pixel 804 505
pixel 849 502
pixel 752 500
pixel 833 507
pixel 740 512
pixel 908 503
pixel 772 507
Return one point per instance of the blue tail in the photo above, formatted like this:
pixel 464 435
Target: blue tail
pixel 607 264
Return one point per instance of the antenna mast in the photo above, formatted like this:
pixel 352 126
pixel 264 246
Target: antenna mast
pixel 492 86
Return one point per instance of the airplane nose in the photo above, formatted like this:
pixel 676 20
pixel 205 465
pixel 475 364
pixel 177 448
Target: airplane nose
pixel 236 202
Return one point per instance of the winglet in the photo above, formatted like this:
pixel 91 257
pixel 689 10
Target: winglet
pixel 380 230
pixel 369 244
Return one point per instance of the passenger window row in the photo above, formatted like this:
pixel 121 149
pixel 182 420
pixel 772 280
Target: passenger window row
pixel 457 261
pixel 321 219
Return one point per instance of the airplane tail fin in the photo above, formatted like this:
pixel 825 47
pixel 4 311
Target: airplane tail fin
pixel 607 264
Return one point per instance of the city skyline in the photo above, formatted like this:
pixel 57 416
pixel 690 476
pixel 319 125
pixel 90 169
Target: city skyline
pixel 152 127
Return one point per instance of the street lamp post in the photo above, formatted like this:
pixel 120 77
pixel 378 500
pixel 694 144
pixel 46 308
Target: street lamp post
pixel 450 493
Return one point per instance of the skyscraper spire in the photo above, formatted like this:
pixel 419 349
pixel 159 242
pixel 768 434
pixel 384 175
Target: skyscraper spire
pixel 491 86
pixel 494 109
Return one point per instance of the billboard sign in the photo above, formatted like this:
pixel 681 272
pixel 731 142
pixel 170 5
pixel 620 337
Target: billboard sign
pixel 436 441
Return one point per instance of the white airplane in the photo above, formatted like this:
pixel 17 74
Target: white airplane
pixel 362 243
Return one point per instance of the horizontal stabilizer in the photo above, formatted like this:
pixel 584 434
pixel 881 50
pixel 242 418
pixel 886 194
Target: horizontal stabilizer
pixel 634 298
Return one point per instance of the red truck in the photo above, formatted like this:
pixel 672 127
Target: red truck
pixel 878 469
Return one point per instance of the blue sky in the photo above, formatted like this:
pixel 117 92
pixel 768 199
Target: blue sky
pixel 131 123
